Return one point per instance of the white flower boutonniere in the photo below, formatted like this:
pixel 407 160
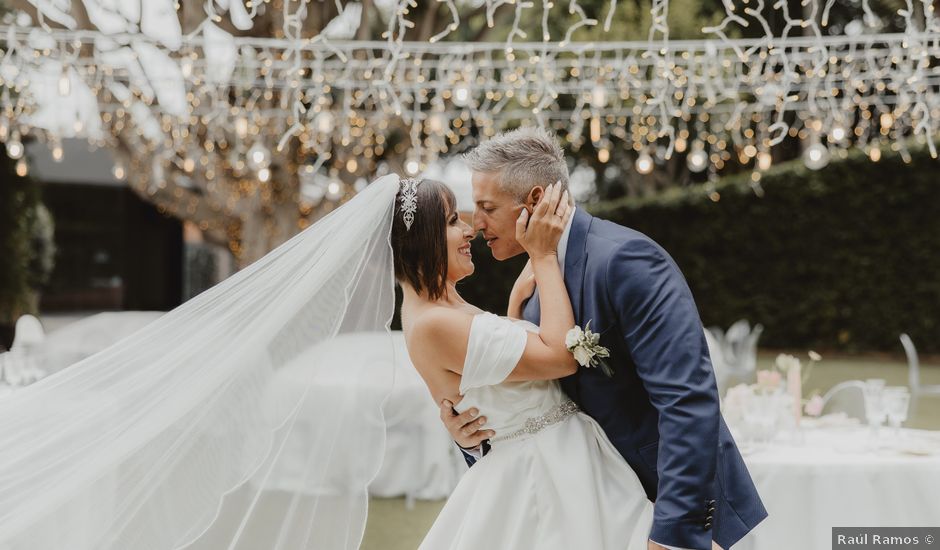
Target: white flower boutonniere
pixel 587 351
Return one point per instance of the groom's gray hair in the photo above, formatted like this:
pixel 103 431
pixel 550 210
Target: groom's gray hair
pixel 523 159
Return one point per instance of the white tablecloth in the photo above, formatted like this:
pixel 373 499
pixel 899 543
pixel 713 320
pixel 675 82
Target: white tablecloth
pixel 843 477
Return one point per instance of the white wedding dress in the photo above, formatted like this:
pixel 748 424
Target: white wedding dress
pixel 552 479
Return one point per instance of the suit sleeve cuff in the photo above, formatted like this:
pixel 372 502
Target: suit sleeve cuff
pixel 475 452
pixel 685 534
pixel 668 547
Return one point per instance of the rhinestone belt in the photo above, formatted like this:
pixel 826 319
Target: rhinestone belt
pixel 536 424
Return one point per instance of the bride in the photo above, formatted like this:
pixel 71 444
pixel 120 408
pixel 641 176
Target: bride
pixel 251 417
pixel 552 479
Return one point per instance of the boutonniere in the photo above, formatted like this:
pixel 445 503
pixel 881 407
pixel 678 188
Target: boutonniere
pixel 587 351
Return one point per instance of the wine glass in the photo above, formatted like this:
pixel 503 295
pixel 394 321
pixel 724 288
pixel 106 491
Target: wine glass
pixel 897 401
pixel 875 413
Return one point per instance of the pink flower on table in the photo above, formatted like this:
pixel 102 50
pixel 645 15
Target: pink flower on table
pixel 768 379
pixel 814 406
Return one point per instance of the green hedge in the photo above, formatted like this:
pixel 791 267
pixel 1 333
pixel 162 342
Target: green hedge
pixel 845 258
pixel 26 247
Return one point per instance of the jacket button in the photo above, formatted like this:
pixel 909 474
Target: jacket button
pixel 708 519
pixel 708 525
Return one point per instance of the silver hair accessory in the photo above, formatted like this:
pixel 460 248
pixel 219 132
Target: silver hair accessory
pixel 409 201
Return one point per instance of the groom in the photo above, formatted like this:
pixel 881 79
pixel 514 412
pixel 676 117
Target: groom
pixel 660 406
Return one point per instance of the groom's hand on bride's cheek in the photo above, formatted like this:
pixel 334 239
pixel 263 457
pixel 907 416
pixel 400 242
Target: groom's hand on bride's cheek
pixel 465 428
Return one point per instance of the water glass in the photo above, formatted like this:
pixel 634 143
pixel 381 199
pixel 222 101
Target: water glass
pixel 760 415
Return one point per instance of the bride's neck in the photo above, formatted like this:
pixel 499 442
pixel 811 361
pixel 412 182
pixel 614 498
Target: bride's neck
pixel 414 298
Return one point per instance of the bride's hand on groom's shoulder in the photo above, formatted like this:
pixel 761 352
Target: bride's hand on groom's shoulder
pixel 525 283
pixel 540 232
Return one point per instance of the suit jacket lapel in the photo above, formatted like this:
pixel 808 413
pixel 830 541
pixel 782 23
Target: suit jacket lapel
pixel 575 259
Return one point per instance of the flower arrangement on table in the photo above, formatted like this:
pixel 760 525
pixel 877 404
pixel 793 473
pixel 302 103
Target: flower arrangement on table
pixel 787 377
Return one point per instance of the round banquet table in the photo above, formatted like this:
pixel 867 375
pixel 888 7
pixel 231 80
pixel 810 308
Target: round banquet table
pixel 823 477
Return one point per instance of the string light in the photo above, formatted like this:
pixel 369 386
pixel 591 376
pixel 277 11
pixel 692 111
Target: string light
pixel 341 108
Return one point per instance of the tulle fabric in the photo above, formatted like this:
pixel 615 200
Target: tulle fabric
pixel 179 436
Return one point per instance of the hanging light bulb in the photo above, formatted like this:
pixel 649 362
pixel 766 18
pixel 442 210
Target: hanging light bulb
pixel 412 167
pixel 816 156
pixel 259 156
pixel 764 160
pixel 334 191
pixel 22 169
pixel 324 122
pixel 697 160
pixel 461 94
pixel 57 152
pixel 264 175
pixel 838 133
pixel 15 148
pixel 595 129
pixel 65 84
pixel 436 123
pixel 599 96
pixel 241 127
pixel 186 66
pixel 644 163
pixel 118 171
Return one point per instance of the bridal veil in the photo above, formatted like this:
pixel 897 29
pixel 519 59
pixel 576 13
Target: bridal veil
pixel 249 417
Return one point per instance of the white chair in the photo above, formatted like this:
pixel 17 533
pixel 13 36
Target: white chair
pixel 913 372
pixel 18 367
pixel 738 351
pixel 718 362
pixel 28 333
pixel 846 397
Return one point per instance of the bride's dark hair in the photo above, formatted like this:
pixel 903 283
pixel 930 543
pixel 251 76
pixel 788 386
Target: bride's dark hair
pixel 421 252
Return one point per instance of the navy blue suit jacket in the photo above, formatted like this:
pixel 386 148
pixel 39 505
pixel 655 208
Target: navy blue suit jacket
pixel 660 408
